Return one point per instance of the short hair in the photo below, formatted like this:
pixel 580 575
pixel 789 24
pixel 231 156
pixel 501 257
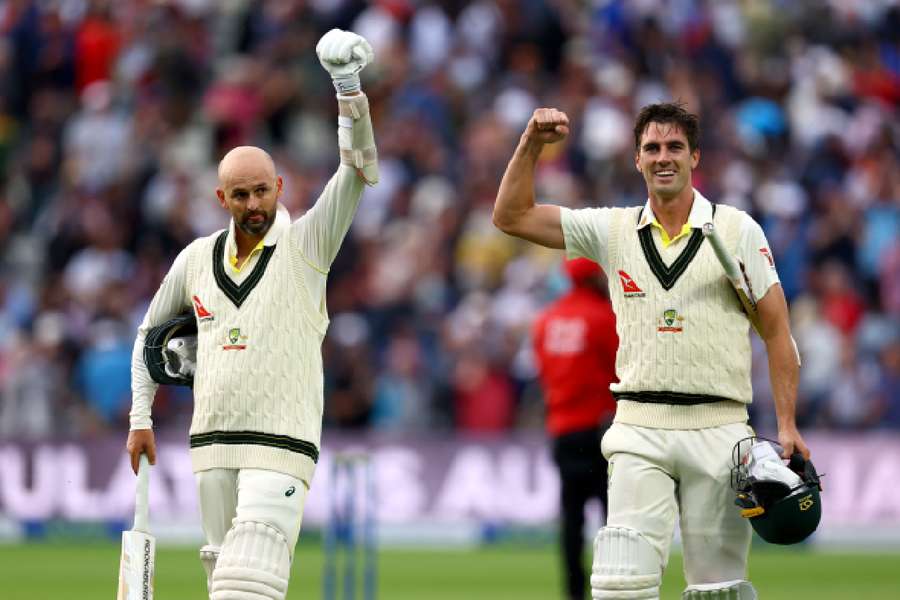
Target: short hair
pixel 668 112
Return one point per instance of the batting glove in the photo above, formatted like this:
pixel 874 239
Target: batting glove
pixel 344 54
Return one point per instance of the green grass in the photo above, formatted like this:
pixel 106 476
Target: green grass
pixel 89 571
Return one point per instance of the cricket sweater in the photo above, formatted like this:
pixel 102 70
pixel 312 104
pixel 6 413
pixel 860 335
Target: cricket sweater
pixel 258 387
pixel 684 351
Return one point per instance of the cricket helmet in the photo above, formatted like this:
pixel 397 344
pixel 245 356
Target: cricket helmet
pixel 170 351
pixel 781 501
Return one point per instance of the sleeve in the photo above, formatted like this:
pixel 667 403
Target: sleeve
pixel 170 300
pixel 754 251
pixel 586 234
pixel 321 230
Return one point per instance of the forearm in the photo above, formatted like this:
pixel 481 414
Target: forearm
pixel 515 198
pixel 143 388
pixel 784 374
pixel 356 137
pixel 170 300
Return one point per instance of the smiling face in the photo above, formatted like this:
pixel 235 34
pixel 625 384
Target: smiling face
pixel 249 189
pixel 665 160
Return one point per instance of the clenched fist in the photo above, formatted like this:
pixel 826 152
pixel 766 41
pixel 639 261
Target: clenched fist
pixel 547 126
pixel 344 54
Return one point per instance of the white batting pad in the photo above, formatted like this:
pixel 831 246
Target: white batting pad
pixel 725 590
pixel 626 567
pixel 254 564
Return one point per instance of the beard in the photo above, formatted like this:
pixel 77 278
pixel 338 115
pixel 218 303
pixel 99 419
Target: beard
pixel 257 228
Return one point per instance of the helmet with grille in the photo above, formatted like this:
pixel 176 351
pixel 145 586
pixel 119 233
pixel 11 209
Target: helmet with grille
pixel 782 501
pixel 170 351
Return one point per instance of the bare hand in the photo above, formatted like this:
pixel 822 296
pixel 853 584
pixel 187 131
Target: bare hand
pixel 547 126
pixel 141 441
pixel 791 440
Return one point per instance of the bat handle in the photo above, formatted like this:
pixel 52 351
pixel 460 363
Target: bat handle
pixel 141 503
pixel 732 270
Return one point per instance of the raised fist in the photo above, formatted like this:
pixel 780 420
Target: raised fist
pixel 344 54
pixel 548 125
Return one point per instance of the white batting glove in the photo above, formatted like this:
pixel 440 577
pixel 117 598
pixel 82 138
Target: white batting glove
pixel 344 54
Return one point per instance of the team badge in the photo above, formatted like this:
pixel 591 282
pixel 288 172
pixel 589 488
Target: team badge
pixel 671 322
pixel 234 337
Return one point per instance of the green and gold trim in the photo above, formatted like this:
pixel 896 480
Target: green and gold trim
pixel 256 438
pixel 238 293
pixel 667 276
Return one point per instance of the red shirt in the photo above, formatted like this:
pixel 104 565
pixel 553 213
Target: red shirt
pixel 575 344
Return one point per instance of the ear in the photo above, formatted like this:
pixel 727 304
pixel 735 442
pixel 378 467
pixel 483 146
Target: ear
pixel 637 161
pixel 695 158
pixel 220 194
pixel 279 186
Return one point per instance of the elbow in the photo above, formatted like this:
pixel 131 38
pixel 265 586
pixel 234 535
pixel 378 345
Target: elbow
pixel 504 221
pixel 498 221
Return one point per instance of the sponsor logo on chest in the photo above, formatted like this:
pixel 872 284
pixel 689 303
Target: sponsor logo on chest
pixel 630 289
pixel 200 311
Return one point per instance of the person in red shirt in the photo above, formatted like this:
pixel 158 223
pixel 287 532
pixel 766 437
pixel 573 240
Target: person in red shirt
pixel 575 346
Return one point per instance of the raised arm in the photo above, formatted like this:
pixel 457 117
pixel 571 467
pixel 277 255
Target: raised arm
pixel 515 211
pixel 321 230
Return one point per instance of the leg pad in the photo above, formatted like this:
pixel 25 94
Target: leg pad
pixel 254 564
pixel 626 566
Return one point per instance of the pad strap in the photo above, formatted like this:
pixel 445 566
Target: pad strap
pixel 359 158
pixel 356 138
pixel 354 107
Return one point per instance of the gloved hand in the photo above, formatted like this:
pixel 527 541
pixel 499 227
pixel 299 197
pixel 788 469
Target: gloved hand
pixel 344 54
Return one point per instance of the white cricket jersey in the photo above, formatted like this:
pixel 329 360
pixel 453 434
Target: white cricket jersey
pixel 684 350
pixel 258 388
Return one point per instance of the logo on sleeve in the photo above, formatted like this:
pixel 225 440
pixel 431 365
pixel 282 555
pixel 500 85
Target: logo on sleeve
pixel 629 287
pixel 201 312
pixel 671 322
pixel 768 254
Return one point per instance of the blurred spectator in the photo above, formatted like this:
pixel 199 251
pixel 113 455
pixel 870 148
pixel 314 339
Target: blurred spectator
pixel 113 116
pixel 889 387
pixel 575 345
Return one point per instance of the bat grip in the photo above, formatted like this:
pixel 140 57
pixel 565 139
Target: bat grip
pixel 727 261
pixel 141 503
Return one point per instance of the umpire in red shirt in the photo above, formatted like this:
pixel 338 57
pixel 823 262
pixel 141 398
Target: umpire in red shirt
pixel 575 345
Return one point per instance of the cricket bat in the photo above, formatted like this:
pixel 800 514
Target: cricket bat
pixel 138 546
pixel 735 273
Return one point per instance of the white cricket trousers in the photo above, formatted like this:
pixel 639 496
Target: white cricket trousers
pixel 257 495
pixel 658 474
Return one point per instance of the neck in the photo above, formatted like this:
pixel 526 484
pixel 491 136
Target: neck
pixel 245 242
pixel 672 213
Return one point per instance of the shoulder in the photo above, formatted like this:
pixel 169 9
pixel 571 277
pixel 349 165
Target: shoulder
pixel 208 241
pixel 733 215
pixel 596 216
pixel 201 246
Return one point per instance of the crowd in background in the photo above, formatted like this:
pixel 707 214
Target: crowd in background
pixel 114 114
